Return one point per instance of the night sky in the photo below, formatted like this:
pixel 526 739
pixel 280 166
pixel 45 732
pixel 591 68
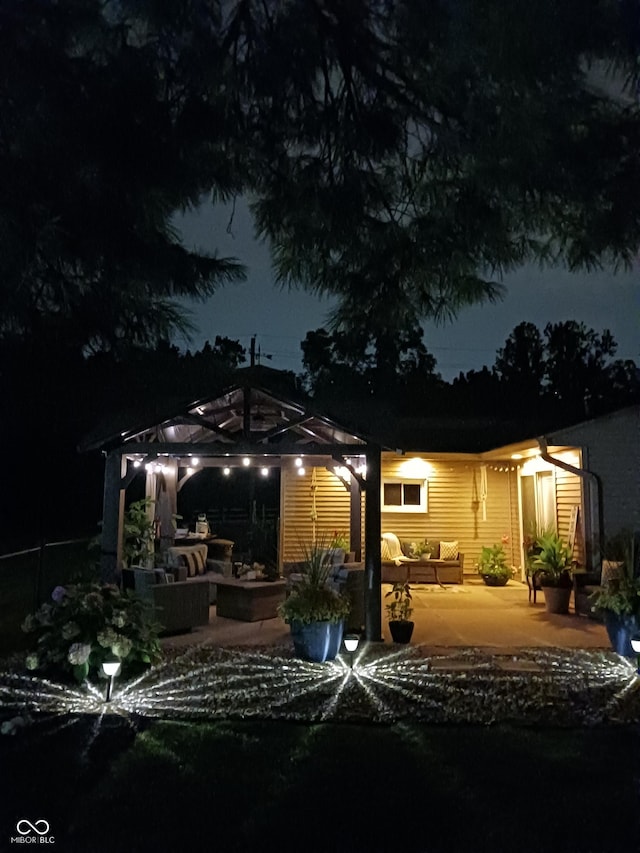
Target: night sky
pixel 281 319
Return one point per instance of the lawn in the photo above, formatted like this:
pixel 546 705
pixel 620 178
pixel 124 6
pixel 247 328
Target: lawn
pixel 328 787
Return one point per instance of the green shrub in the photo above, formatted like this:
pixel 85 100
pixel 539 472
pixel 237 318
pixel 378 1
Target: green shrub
pixel 84 624
pixel 493 562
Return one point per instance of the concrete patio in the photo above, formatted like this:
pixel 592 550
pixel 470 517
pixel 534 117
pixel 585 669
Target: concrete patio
pixel 468 615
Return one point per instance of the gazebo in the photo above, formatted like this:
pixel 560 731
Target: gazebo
pixel 245 424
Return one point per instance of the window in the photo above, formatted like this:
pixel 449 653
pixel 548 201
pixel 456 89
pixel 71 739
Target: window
pixel 404 496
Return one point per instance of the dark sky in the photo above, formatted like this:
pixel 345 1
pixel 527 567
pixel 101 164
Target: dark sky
pixel 281 319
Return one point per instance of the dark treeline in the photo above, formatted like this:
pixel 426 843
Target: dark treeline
pixel 560 375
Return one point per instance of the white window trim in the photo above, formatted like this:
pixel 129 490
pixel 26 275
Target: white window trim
pixel 422 507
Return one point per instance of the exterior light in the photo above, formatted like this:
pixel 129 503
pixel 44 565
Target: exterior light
pixel 136 463
pixel 351 644
pixel 516 455
pixel 635 645
pixel 195 460
pixel 301 472
pixel 264 472
pixel 110 667
pixel 226 471
pixel 298 462
pixel 246 462
pixel 189 470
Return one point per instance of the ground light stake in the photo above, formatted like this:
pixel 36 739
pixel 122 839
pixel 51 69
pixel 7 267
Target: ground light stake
pixel 110 668
pixel 351 644
pixel 635 645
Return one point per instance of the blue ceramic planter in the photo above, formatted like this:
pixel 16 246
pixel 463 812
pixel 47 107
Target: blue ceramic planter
pixel 312 642
pixel 620 630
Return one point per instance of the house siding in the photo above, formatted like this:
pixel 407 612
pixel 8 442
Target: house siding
pixel 611 447
pixel 454 509
pixel 568 495
pixel 332 507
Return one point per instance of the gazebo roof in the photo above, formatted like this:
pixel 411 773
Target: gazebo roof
pixel 243 417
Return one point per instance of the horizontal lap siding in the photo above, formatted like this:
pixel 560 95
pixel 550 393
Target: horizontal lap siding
pixel 611 447
pixel 455 509
pixel 332 509
pixel 568 495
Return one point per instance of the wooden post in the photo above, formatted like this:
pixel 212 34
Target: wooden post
pixel 112 512
pixel 373 560
pixel 355 519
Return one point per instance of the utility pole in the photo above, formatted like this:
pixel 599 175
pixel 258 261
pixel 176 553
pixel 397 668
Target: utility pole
pixel 252 351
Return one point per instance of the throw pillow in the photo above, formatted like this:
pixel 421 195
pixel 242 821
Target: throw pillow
pixel 406 548
pixel 384 550
pixel 449 550
pixel 434 549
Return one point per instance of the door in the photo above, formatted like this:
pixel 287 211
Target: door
pixel 537 505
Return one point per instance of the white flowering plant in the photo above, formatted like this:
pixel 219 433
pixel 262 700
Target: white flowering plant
pixel 84 624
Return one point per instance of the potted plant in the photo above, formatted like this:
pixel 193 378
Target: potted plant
pixel 618 599
pixel 399 609
pixel 492 566
pixel 313 610
pixel 138 531
pixel 552 564
pixel 338 547
pixel 421 549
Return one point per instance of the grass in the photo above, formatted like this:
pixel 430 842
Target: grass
pixel 25 582
pixel 259 786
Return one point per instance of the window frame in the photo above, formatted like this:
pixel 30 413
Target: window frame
pixel 422 507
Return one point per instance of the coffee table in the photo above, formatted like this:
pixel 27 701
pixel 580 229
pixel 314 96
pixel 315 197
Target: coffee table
pixel 249 601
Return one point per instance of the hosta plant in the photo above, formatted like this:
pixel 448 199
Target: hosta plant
pixel 84 624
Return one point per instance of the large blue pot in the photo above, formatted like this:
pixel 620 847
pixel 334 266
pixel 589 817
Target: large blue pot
pixel 335 639
pixel 311 642
pixel 620 630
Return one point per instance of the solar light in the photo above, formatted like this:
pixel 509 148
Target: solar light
pixel 351 644
pixel 110 667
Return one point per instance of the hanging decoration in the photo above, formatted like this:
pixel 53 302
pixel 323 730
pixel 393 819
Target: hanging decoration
pixel 314 509
pixel 483 491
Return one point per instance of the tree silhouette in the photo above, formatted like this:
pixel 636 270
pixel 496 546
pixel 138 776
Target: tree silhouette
pixel 520 365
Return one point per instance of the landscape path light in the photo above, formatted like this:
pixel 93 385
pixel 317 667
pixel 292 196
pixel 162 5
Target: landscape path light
pixel 635 645
pixel 351 644
pixel 110 667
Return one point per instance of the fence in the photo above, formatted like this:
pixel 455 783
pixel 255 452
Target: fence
pixel 27 578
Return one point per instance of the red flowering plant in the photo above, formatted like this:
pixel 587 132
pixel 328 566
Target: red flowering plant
pixel 86 623
pixel 339 541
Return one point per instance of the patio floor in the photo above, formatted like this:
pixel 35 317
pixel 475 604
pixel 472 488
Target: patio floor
pixel 468 615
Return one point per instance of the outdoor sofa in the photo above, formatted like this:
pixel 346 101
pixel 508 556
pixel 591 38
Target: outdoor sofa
pixel 191 563
pixel 178 605
pixel 444 565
